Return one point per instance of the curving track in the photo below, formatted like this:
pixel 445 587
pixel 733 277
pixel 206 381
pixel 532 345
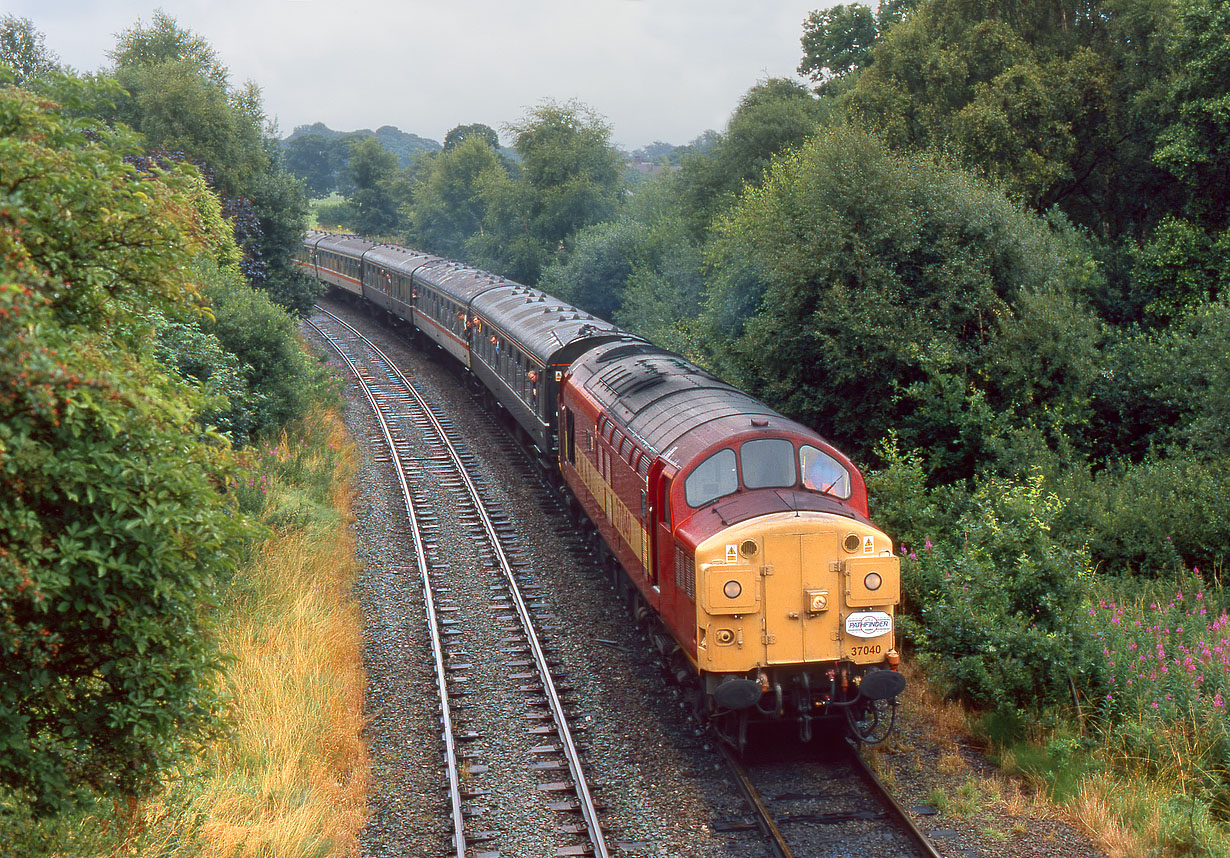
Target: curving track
pixel 491 671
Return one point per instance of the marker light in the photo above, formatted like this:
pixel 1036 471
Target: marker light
pixel 873 581
pixel 732 589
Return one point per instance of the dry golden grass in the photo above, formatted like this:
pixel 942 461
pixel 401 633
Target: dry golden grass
pixel 1092 810
pixel 952 763
pixel 946 718
pixel 291 778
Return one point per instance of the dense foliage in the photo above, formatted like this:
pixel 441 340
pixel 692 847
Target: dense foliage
pixel 319 155
pixel 177 94
pixel 901 293
pixel 112 532
pixel 136 356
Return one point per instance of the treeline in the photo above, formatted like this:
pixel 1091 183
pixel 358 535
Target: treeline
pixel 146 296
pixel 321 156
pixel 995 234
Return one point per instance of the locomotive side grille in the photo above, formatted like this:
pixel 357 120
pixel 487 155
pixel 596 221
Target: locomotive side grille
pixel 685 572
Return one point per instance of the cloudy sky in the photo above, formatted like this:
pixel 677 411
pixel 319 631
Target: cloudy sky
pixel 656 69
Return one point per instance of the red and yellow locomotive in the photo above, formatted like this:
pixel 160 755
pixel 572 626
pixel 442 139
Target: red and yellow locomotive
pixel 742 534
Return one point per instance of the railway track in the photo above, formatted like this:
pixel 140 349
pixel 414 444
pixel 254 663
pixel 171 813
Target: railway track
pixel 498 698
pixel 832 804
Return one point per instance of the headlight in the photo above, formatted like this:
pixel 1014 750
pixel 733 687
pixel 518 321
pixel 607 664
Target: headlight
pixel 732 589
pixel 873 581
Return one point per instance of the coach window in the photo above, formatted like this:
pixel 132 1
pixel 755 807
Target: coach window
pixel 768 463
pixel 712 479
pixel 823 473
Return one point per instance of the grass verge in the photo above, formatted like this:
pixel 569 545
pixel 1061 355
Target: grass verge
pixel 1145 770
pixel 288 776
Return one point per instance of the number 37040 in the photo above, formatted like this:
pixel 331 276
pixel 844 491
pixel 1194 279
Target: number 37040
pixel 870 649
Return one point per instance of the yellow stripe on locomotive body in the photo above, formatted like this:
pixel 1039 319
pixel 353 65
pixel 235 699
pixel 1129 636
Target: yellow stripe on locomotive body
pixel 792 589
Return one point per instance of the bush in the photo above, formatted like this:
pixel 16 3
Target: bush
pixel 1154 517
pixel 993 596
pixel 113 534
pixel 335 214
pixel 199 359
pixel 112 540
pixel 283 378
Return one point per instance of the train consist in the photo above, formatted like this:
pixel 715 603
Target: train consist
pixel 739 537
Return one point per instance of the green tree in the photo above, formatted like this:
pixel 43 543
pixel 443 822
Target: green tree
pixel 862 291
pixel 179 97
pixel 24 50
pixel 199 359
pixel 457 135
pixel 1056 101
pixel 113 534
pixel 995 596
pixel 772 117
pixel 569 178
pixel 1179 269
pixel 372 168
pixel 642 270
pixel 282 378
pixel 317 160
pixel 1195 145
pixel 837 41
pixel 447 207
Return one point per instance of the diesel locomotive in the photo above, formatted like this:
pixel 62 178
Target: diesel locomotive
pixel 740 538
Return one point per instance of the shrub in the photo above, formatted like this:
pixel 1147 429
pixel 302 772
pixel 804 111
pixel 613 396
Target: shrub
pixel 199 359
pixel 993 595
pixel 1153 517
pixel 335 214
pixel 283 378
pixel 112 540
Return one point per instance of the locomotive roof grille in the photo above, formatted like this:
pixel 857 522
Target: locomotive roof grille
pixel 626 351
pixel 628 380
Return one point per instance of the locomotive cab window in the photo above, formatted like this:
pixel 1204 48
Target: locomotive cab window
pixel 768 463
pixel 823 473
pixel 713 478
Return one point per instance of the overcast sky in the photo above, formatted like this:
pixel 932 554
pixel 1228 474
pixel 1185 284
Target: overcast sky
pixel 656 69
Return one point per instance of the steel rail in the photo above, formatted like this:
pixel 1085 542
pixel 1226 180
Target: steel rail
pixel 764 819
pixel 777 842
pixel 899 813
pixel 572 755
pixel 437 653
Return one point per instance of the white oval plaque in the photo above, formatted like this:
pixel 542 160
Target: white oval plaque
pixel 869 624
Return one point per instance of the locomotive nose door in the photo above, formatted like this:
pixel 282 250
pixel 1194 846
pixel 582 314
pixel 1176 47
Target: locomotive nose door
pixel 795 563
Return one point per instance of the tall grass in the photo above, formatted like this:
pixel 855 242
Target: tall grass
pixel 290 779
pixel 288 775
